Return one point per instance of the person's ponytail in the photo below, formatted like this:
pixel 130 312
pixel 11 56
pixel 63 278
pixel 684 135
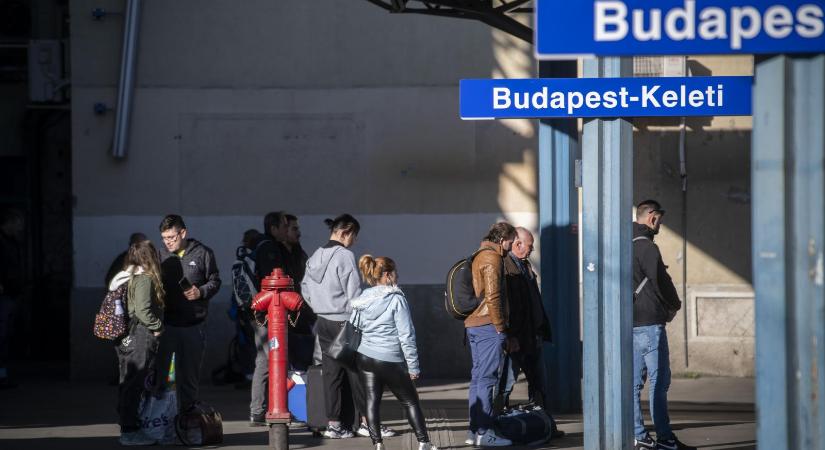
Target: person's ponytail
pixel 372 269
pixel 344 223
pixel 367 266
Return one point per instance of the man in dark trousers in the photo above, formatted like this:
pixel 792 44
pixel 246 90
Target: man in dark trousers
pixel 269 255
pixel 301 338
pixel 528 323
pixel 655 303
pixel 190 278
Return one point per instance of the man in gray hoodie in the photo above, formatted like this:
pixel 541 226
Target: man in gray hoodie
pixel 330 284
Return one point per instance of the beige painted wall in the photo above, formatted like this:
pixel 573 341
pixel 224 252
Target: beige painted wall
pixel 718 307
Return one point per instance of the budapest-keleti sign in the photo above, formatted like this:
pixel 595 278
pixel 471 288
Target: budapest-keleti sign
pixel 573 28
pixel 605 97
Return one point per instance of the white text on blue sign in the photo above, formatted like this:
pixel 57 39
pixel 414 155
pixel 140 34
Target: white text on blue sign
pixel 605 97
pixel 674 27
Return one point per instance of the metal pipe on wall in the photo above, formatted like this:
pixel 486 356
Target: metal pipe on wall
pixel 683 178
pixel 126 86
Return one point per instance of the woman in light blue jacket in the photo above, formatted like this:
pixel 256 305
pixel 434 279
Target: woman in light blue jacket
pixel 387 355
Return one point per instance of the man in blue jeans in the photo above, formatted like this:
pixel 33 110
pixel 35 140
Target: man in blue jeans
pixel 655 302
pixel 487 334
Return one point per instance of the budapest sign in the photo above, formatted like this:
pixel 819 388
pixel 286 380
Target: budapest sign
pixel 573 28
pixel 605 97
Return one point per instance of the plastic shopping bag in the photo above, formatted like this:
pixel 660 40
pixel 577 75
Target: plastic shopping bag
pixel 157 415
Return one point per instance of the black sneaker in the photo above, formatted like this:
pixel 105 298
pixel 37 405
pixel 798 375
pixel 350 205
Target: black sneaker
pixel 257 420
pixel 672 444
pixel 646 443
pixel 338 432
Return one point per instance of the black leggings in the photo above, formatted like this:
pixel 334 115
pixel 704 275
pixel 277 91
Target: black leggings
pixel 374 376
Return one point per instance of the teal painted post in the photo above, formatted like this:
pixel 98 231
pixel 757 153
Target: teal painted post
pixel 558 213
pixel 788 154
pixel 607 158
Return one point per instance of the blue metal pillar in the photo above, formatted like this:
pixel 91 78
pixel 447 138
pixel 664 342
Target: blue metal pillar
pixel 607 158
pixel 788 154
pixel 558 213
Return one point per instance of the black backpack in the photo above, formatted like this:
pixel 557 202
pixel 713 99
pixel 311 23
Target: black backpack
pixel 459 297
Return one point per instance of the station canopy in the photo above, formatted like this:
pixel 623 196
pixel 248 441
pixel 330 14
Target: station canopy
pixel 495 13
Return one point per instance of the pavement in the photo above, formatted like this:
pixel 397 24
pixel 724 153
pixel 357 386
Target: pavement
pixel 708 412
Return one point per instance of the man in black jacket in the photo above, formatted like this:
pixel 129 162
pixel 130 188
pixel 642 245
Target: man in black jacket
pixel 269 255
pixel 190 278
pixel 301 337
pixel 528 323
pixel 655 303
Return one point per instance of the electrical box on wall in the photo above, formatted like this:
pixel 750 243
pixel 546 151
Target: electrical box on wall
pixel 46 82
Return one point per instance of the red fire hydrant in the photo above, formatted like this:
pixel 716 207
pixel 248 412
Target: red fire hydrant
pixel 277 297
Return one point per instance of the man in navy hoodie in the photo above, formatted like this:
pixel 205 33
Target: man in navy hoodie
pixel 190 278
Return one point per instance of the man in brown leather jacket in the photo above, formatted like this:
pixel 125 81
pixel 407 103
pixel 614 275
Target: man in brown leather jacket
pixel 487 333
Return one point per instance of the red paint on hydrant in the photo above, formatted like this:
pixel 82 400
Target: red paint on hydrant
pixel 277 297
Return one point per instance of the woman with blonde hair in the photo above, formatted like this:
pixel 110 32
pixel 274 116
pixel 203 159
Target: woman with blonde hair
pixel 136 352
pixel 387 355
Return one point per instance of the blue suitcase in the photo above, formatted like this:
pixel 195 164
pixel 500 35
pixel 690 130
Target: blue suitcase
pixel 297 396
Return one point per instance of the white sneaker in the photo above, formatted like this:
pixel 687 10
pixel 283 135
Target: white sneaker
pixel 386 432
pixel 426 446
pixel 491 439
pixel 471 438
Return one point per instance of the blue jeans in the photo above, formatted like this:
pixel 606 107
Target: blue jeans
pixel 651 360
pixel 487 350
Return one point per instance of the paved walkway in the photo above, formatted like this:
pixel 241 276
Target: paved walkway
pixel 712 413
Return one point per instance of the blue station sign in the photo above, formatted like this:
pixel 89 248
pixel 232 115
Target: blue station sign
pixel 604 97
pixel 575 28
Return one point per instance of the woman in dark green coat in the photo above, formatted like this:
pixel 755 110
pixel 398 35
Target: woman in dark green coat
pixel 136 352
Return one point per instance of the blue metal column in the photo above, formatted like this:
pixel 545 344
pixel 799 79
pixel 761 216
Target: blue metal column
pixel 558 212
pixel 788 154
pixel 607 158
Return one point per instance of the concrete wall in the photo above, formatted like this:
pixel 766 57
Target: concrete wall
pixel 312 107
pixel 327 106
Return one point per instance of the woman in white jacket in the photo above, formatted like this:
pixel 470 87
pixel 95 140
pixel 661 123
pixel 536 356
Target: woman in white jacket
pixel 387 356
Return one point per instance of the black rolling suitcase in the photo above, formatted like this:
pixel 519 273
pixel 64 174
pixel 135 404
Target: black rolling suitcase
pixel 316 409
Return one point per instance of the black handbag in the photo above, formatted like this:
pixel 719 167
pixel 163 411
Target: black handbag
pixel 345 345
